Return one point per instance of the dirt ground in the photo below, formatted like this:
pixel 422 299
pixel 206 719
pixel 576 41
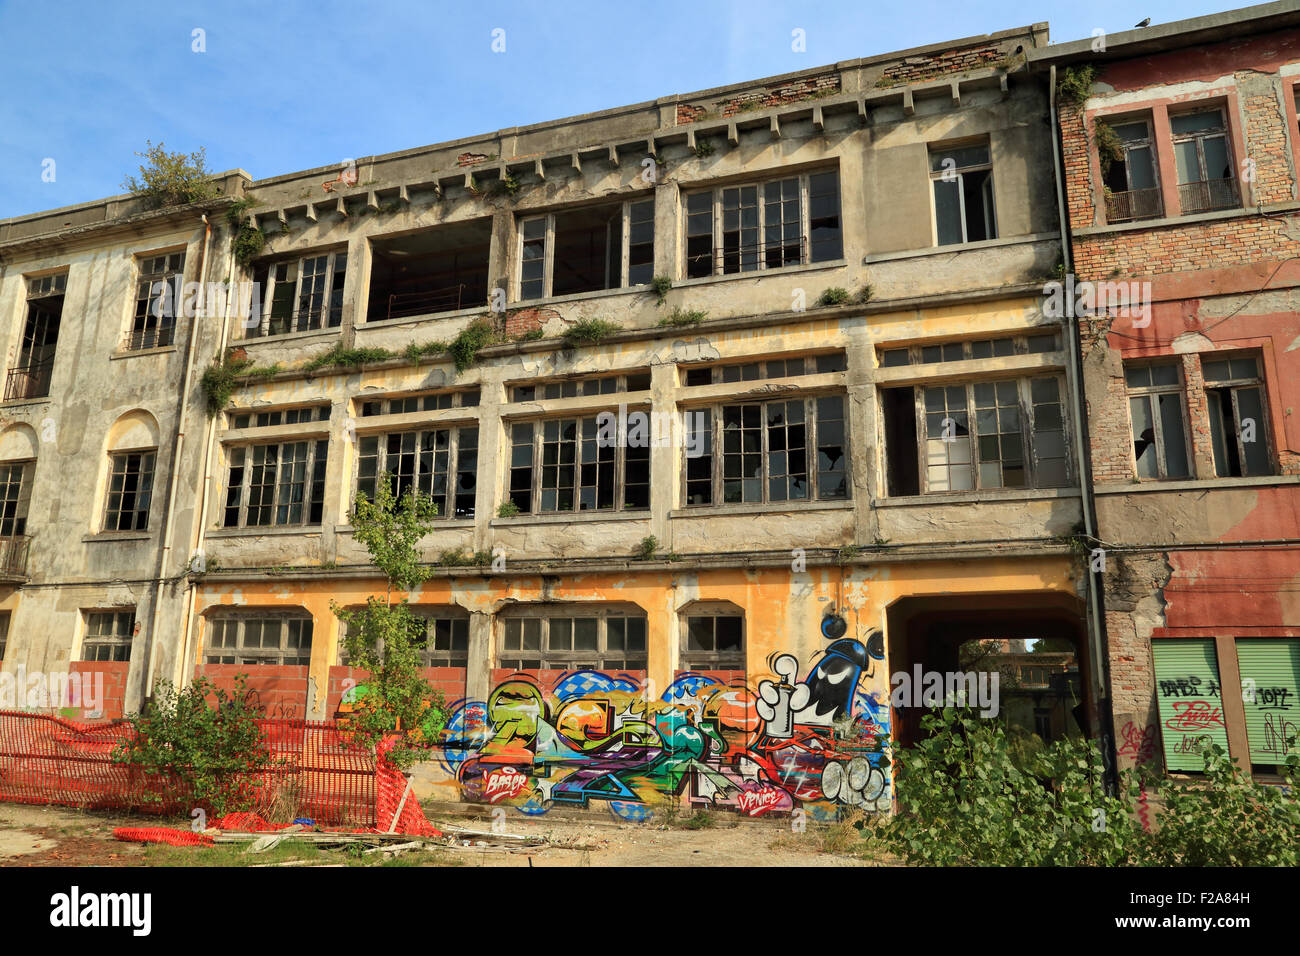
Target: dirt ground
pixel 58 836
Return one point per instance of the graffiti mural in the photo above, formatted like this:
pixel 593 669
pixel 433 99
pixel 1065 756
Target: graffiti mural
pixel 815 742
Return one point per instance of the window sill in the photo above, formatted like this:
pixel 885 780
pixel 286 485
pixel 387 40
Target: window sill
pixel 1191 218
pixel 643 289
pixel 760 273
pixel 313 530
pixel 132 353
pixel 759 508
pixel 570 517
pixel 20 402
pixel 1191 484
pixel 960 247
pixel 118 536
pixel 975 497
pixel 439 525
pixel 414 320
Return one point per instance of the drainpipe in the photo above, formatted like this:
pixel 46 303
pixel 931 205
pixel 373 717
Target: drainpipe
pixel 200 536
pixel 1077 406
pixel 177 449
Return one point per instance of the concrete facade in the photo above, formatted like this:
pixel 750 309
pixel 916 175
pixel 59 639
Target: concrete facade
pixel 904 465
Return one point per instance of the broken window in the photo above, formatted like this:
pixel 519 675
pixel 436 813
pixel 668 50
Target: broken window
pixel 439 462
pixel 15 495
pixel 790 221
pixel 1155 402
pixel 278 484
pixel 574 387
pixel 586 639
pixel 279 416
pixel 578 464
pixel 1203 160
pixel 963 194
pixel 587 249
pixel 437 270
pixel 713 640
pixel 1234 392
pixel 409 404
pixel 30 378
pixel 130 487
pixel 157 300
pixel 754 371
pixel 108 635
pixel 767 452
pixel 276 640
pixel 1017 439
pixel 300 295
pixel 1131 189
pixel 965 351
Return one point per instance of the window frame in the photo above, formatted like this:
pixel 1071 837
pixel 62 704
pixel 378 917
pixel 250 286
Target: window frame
pixel 538 465
pixel 1233 385
pixel 453 471
pixel 162 327
pixel 717 451
pixel 1198 137
pixel 936 175
pixel 430 615
pixel 714 660
pixel 115 641
pixel 330 315
pixel 548 249
pixel 313 463
pixel 1147 142
pixel 571 659
pixel 717 213
pixel 21 500
pixel 1150 392
pixel 1025 403
pixel 257 656
pixel 145 476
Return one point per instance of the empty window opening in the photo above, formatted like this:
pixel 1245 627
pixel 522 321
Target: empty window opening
pixel 424 273
pixel 963 194
pixel 1129 174
pixel 588 249
pixel 1234 392
pixel 30 378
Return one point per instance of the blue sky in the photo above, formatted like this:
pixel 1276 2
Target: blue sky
pixel 285 86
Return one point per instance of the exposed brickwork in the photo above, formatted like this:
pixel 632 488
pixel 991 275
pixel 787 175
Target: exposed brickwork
pixel 915 68
pixel 449 681
pixel 1076 155
pixel 277 691
pixel 471 159
pixel 523 321
pixel 689 113
pixel 1132 595
pixel 1265 124
pixel 114 673
pixel 760 99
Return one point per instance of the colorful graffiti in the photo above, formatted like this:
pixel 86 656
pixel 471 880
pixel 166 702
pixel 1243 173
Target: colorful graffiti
pixel 596 738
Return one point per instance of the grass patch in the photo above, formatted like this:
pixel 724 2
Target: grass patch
pixel 679 317
pixel 590 331
pixel 340 357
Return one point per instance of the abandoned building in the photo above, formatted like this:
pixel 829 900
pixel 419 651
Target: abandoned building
pixel 1180 175
pixel 847 421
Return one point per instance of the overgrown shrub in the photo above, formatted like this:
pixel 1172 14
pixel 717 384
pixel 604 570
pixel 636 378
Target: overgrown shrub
pixel 589 331
pixel 341 357
pixel 464 348
pixel 679 317
pixel 833 296
pixel 1074 84
pixel 213 752
pixel 171 179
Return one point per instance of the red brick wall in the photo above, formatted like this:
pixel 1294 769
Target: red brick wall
pixel 113 674
pixel 276 691
pixel 930 65
pixel 449 680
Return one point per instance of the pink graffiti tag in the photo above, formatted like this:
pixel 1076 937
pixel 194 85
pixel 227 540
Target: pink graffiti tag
pixel 764 799
pixel 1140 745
pixel 503 783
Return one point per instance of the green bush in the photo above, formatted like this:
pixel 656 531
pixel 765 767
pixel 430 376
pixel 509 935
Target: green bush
pixel 589 331
pixel 964 800
pixel 508 509
pixel 171 179
pixel 464 348
pixel 679 317
pixel 661 285
pixel 341 357
pixel 1074 84
pixel 213 752
pixel 833 296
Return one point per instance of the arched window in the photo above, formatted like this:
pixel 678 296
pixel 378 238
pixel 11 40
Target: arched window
pixel 713 636
pixel 573 636
pixel 259 636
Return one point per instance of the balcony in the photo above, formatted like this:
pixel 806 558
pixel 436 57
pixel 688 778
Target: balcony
pixel 1208 196
pixel 1133 205
pixel 404 304
pixel 13 557
pixel 156 338
pixel 28 381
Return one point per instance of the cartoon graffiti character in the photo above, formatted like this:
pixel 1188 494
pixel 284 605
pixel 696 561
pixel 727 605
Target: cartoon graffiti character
pixel 831 685
pixel 777 702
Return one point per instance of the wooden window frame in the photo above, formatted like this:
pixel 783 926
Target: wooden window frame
pixel 715 660
pixel 572 659
pixel 21 499
pixel 1151 392
pixel 114 644
pixel 548 249
pixel 1233 385
pixel 537 463
pixel 453 459
pixel 258 656
pixel 309 500
pixel 145 474
pixel 959 172
pixel 331 274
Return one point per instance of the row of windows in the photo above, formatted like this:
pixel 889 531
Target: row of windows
pixel 613 638
pixel 107 637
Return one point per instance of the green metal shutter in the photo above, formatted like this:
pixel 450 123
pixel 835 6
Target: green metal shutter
pixel 1187 696
pixel 1273 664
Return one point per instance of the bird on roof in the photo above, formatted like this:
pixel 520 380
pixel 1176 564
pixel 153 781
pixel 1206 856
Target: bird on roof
pixel 1144 23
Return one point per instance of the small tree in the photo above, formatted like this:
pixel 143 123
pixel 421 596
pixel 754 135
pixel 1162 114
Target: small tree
pixel 384 637
pixel 213 753
pixel 171 179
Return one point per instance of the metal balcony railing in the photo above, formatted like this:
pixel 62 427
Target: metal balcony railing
pixel 1133 204
pixel 730 258
pixel 299 320
pixel 401 304
pixel 13 555
pixel 155 338
pixel 28 381
pixel 1207 196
